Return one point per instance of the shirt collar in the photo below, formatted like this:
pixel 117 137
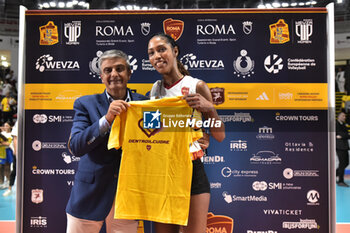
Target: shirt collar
pixel 127 99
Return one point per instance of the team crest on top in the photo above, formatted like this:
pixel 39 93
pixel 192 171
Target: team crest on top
pixel 279 32
pixel 247 27
pixel 145 28
pixel 218 95
pixel 48 34
pixel 219 223
pixel 173 28
pixel 37 196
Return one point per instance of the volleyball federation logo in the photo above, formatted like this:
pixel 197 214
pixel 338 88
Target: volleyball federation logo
pixel 273 64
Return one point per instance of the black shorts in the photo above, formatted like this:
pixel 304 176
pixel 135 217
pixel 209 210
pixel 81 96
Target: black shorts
pixel 200 183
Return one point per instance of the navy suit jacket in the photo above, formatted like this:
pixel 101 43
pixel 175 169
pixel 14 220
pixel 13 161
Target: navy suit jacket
pixel 96 179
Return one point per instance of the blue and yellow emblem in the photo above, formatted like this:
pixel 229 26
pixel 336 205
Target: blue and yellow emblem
pixel 279 32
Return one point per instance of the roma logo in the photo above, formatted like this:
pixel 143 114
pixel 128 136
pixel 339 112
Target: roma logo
pixel 219 224
pixel 173 28
pixel 279 32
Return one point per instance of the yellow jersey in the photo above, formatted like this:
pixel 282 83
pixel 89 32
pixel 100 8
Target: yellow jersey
pixel 156 167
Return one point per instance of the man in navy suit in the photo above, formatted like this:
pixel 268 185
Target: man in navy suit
pixel 92 196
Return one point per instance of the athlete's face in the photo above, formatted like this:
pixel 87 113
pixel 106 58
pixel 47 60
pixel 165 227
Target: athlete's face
pixel 161 55
pixel 115 74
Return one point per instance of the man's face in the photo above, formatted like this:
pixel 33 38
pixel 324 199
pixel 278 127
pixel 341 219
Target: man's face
pixel 342 117
pixel 114 74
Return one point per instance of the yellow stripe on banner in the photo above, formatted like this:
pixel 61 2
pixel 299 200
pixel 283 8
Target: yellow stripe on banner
pixel 270 95
pixel 62 96
pixel 225 95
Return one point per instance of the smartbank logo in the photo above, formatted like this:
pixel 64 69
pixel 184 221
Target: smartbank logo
pixel 191 62
pixel 152 120
pixel 38 145
pixel 47 63
pixel 289 173
pixel 250 198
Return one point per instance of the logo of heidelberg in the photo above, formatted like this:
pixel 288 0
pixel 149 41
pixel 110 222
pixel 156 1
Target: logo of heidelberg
pixel 145 28
pixel 218 95
pixel 48 34
pixel 37 196
pixel 279 32
pixel 72 32
pixel 273 64
pixel 219 223
pixel 173 27
pixel 243 65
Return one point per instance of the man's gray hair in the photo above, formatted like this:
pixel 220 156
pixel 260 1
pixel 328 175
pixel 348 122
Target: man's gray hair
pixel 114 53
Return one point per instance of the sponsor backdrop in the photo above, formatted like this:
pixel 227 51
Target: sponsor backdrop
pixel 267 71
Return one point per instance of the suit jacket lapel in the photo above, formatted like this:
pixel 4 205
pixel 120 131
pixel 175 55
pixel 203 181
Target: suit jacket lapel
pixel 103 104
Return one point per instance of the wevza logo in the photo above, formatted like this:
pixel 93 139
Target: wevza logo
pixel 69 159
pixel 302 224
pixel 265 133
pixel 72 32
pixel 38 145
pixel 305 118
pixel 219 224
pixel 238 145
pixel 43 118
pixel 313 197
pixel 38 221
pixel 250 198
pixel 37 196
pixel 263 186
pixel 299 147
pixel 113 30
pixel 38 171
pixel 227 172
pixel 265 157
pixel 152 120
pixel 282 212
pixel 289 173
pixel 304 29
pixel 47 63
pixel 212 159
pixel 191 62
pixel 243 65
pixel 215 29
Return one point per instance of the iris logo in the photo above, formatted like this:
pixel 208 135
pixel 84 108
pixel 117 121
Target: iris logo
pixel 151 120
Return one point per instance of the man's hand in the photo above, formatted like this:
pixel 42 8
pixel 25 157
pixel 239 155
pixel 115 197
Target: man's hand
pixel 204 141
pixel 115 109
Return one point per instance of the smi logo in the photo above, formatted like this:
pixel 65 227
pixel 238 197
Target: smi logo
pixel 47 63
pixel 191 62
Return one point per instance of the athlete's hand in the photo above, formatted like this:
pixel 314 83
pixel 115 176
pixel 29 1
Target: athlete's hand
pixel 198 102
pixel 204 141
pixel 115 109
